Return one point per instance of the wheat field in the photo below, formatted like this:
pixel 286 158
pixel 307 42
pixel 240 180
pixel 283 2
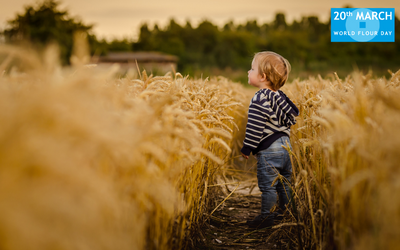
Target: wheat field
pixel 345 155
pixel 89 161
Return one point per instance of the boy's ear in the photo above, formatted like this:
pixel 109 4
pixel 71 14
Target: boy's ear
pixel 263 77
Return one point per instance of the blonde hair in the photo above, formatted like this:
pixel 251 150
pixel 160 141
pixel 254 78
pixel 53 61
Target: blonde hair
pixel 275 67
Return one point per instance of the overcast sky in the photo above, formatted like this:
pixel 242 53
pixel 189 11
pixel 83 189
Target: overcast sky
pixel 122 18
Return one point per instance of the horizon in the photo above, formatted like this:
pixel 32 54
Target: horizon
pixel 123 18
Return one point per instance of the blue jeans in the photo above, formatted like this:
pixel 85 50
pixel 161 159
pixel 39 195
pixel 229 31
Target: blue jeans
pixel 271 161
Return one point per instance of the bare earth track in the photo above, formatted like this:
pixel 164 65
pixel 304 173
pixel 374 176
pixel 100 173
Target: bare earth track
pixel 226 228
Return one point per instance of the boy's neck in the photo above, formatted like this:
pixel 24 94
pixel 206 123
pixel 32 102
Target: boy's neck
pixel 266 85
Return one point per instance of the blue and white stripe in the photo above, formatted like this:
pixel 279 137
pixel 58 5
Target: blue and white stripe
pixel 269 112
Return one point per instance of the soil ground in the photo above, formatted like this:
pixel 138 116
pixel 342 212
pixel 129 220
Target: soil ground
pixel 226 228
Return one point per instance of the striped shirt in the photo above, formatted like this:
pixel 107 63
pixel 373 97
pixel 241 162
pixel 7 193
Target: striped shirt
pixel 270 116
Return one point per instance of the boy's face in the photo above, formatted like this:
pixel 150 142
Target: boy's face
pixel 253 75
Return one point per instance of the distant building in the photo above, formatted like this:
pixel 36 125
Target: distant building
pixel 155 62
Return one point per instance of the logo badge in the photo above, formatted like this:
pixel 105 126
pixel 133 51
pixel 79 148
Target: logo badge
pixel 362 25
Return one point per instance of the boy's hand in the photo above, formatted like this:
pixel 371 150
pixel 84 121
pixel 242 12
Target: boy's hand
pixel 245 156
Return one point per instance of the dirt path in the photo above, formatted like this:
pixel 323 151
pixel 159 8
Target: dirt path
pixel 227 229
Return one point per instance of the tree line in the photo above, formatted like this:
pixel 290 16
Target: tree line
pixel 305 43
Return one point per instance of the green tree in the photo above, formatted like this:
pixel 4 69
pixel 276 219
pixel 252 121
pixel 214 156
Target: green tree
pixel 145 41
pixel 45 24
pixel 305 43
pixel 120 45
pixel 280 21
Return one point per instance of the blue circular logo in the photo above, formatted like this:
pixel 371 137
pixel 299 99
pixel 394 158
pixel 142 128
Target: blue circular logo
pixel 365 28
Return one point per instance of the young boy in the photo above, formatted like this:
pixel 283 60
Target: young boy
pixel 271 113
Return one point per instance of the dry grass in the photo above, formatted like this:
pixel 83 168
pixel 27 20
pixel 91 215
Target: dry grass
pixel 346 155
pixel 92 162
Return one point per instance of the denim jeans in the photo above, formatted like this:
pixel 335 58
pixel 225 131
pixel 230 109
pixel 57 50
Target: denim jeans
pixel 271 161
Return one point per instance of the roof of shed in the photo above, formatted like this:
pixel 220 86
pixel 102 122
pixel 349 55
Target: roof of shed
pixel 138 56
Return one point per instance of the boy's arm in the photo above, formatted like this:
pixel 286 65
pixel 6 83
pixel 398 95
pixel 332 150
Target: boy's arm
pixel 256 121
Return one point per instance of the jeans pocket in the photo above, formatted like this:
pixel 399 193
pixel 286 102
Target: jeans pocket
pixel 270 161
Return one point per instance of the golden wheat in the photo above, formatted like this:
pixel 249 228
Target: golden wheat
pixel 88 161
pixel 346 142
pixel 92 162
